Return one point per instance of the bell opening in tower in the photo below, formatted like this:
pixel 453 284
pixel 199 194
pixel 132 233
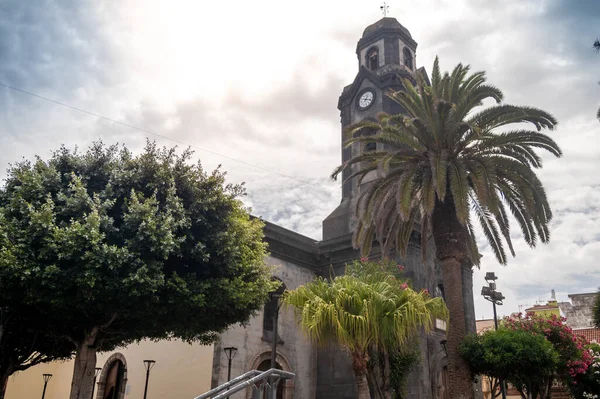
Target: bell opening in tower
pixel 373 59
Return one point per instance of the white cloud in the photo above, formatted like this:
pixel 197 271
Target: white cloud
pixel 258 81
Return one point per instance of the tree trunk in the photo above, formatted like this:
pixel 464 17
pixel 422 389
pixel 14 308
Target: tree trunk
pixel 3 383
pixel 459 376
pixel 362 385
pixel 360 362
pixel 451 249
pixel 83 371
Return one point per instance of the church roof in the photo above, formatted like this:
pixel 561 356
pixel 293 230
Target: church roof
pixel 385 27
pixel 385 23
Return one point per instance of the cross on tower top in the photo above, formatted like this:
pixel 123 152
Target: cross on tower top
pixel 384 9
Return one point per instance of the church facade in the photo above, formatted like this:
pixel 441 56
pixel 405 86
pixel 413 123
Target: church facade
pixel 386 55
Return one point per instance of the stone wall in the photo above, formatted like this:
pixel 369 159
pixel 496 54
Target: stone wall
pixel 579 312
pixel 294 353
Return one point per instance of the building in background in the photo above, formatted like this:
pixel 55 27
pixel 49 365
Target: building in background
pixel 548 310
pixel 579 311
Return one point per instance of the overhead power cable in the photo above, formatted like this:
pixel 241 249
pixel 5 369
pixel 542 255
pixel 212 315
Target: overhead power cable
pixel 157 134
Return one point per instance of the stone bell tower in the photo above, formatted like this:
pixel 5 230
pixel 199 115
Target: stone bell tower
pixel 386 54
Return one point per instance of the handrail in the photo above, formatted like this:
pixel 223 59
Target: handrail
pixel 258 376
pixel 228 384
pixel 250 382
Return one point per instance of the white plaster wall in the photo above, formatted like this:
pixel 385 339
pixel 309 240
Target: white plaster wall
pixel 182 371
pixel 296 350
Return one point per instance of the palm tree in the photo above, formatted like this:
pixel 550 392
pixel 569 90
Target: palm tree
pixel 443 164
pixel 363 312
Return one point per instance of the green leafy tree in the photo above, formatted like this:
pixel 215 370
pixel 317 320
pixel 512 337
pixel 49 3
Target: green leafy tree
pixel 113 248
pixel 388 372
pixel 573 358
pixel 363 312
pixel 527 360
pixel 443 164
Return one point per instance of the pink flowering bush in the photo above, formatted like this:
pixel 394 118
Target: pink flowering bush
pixel 574 358
pixel 586 385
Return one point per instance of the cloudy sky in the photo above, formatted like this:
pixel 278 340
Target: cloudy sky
pixel 254 86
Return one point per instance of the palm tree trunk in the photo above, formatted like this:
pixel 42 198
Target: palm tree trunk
pixel 362 385
pixel 451 249
pixel 459 376
pixel 360 361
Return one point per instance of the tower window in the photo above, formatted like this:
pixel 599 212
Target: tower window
pixel 408 58
pixel 373 59
pixel 371 147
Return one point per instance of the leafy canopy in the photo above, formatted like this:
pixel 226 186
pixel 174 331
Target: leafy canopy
pixel 130 247
pixel 443 148
pixel 573 358
pixel 527 360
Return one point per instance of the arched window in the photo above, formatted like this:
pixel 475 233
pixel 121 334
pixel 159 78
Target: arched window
pixel 113 378
pixel 272 306
pixel 266 365
pixel 439 290
pixel 408 58
pixel 371 147
pixel 373 59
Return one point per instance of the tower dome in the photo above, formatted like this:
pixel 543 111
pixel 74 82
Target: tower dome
pixel 386 43
pixel 389 24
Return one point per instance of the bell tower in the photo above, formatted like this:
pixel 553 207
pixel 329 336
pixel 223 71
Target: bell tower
pixel 386 55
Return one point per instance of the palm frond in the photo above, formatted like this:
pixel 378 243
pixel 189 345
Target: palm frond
pixel 363 310
pixel 448 147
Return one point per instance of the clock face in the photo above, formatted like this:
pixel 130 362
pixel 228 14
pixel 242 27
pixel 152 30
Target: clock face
pixel 366 99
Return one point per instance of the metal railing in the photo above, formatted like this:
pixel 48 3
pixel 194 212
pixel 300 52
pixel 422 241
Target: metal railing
pixel 262 382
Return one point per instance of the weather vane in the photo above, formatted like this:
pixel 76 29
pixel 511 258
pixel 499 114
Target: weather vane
pixel 384 9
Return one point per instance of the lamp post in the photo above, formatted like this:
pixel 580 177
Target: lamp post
pixel 275 296
pixel 230 353
pixel 148 364
pixel 46 378
pixel 443 344
pixel 495 297
pixel 96 374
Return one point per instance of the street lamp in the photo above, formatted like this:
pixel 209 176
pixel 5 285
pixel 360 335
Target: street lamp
pixel 444 343
pixel 46 378
pixel 148 364
pixel 496 298
pixel 230 353
pixel 96 374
